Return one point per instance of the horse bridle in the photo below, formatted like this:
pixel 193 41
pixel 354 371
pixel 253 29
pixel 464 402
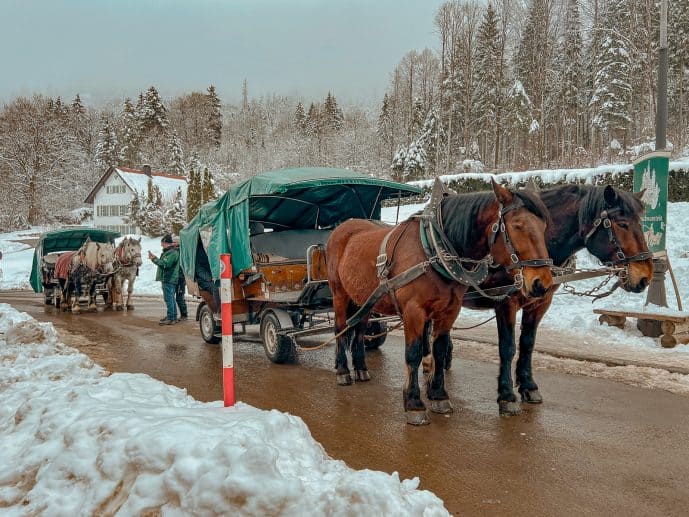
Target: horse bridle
pixel 120 256
pixel 620 257
pixel 500 227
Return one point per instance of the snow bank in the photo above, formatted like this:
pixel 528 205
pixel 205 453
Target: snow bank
pixel 75 440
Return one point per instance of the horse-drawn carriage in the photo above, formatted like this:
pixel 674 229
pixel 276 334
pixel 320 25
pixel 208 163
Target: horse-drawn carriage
pixel 275 226
pixel 49 248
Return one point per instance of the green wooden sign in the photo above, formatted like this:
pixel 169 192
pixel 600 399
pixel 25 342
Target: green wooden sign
pixel 651 174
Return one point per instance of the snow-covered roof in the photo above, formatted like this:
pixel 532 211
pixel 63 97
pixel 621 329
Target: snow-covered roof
pixel 168 184
pixel 137 180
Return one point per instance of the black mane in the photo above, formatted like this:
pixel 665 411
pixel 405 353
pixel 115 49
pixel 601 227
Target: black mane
pixel 460 212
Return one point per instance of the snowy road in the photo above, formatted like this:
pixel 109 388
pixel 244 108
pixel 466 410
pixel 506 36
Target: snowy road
pixel 594 447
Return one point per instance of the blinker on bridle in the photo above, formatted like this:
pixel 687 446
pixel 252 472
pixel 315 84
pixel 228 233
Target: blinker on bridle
pixel 620 258
pixel 499 227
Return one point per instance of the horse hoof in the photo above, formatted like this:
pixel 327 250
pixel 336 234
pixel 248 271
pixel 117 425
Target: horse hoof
pixel 362 375
pixel 344 379
pixel 130 307
pixel 509 408
pixel 440 406
pixel 532 397
pixel 418 418
pixel 119 308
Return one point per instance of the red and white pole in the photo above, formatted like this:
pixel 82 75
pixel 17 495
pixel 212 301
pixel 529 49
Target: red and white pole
pixel 226 315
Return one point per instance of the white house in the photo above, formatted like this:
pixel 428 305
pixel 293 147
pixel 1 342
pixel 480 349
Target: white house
pixel 115 190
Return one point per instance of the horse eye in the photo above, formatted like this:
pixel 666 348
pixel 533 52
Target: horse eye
pixel 623 225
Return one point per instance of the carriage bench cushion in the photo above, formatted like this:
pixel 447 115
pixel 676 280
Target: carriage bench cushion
pixel 289 244
pixel 62 265
pixel 51 258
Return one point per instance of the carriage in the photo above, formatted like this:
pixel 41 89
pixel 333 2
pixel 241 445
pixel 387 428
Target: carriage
pixel 50 246
pixel 275 226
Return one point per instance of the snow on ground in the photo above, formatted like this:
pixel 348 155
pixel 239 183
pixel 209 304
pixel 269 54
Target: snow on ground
pixel 76 440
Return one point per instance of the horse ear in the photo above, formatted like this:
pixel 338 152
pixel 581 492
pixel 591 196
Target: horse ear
pixel 610 195
pixel 501 193
pixel 640 195
pixel 531 185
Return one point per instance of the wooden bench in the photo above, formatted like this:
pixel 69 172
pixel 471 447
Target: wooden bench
pixel 674 328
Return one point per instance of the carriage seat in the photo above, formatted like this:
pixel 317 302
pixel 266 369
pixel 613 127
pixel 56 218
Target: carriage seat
pixel 288 244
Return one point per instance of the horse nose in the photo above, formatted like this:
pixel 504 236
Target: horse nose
pixel 537 288
pixel 642 284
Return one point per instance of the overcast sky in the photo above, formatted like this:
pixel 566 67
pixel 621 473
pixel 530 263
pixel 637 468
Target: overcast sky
pixel 109 49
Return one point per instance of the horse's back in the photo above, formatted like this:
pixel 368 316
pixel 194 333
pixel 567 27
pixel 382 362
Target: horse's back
pixel 63 265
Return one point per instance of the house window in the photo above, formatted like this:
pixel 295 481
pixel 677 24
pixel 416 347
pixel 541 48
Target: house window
pixel 112 210
pixel 115 189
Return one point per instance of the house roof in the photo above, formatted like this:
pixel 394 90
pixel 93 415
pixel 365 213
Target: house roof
pixel 137 181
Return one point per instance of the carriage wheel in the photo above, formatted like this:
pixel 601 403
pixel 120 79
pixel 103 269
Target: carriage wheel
pixel 279 347
pixel 374 328
pixel 48 296
pixel 207 326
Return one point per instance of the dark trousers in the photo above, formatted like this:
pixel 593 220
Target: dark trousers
pixel 169 289
pixel 179 297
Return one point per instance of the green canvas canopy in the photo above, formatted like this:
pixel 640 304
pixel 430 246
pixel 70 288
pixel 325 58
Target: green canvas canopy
pixel 69 239
pixel 302 198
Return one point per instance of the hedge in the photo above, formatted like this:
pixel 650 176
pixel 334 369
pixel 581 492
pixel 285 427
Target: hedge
pixel 618 175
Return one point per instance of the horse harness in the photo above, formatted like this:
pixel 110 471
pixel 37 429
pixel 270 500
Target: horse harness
pixel 445 260
pixel 620 258
pixel 125 263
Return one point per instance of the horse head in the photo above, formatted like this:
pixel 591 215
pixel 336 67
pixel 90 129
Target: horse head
pixel 129 252
pixel 610 223
pixel 517 239
pixel 104 256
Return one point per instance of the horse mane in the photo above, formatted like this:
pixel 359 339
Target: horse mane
pixel 460 211
pixel 592 201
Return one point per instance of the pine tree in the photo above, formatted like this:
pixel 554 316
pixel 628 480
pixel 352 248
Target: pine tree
pixel 175 215
pixel 107 151
pixel 176 155
pixel 150 193
pixel 332 116
pixel 313 121
pixel 214 116
pixel 678 41
pixel 385 126
pixel 430 139
pixel 135 215
pixel 207 187
pixel 569 66
pixel 130 134
pixel 610 100
pixel 77 106
pixel 489 74
pixel 299 119
pixel 152 113
pixel 245 96
pixel 194 195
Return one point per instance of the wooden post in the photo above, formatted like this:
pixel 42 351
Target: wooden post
pixel 227 325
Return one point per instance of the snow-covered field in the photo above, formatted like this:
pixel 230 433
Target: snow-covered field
pixel 75 440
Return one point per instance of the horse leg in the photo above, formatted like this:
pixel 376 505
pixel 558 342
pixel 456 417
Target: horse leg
pixel 75 289
pixel 507 401
pixel 438 399
pixel 340 303
pixel 427 361
pixel 414 324
pixel 92 297
pixel 359 352
pixel 531 317
pixel 130 290
pixel 116 293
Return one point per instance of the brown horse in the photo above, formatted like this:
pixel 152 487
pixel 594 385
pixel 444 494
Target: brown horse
pixel 471 223
pixel 605 221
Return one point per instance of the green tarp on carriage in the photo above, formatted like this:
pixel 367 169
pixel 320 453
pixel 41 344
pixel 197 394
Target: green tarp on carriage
pixel 68 239
pixel 302 198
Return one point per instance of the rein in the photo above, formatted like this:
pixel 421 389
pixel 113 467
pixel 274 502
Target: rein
pixel 119 256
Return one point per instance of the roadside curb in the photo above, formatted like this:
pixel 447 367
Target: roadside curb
pixel 580 356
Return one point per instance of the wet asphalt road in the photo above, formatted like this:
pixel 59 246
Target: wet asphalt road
pixel 595 447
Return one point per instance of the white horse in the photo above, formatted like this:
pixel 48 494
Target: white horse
pixel 91 263
pixel 127 264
